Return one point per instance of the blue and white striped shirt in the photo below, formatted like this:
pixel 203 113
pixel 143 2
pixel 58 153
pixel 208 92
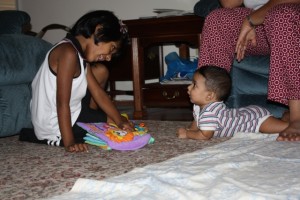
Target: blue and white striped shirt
pixel 228 121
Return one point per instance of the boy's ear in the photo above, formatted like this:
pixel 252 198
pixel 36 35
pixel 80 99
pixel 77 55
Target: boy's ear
pixel 211 96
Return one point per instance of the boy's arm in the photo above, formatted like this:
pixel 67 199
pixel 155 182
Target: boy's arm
pixel 193 126
pixel 193 132
pixel 199 134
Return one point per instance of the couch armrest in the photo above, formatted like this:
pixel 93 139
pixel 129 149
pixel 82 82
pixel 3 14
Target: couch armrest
pixel 20 57
pixel 14 22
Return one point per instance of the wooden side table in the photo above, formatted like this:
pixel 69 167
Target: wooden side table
pixel 182 31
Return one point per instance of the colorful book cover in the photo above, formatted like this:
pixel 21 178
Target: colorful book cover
pixel 109 136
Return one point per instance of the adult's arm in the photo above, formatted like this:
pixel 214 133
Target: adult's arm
pixel 231 3
pixel 258 16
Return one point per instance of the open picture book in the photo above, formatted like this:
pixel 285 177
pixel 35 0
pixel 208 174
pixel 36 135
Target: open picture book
pixel 108 136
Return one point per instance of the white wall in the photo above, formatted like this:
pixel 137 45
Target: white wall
pixel 44 12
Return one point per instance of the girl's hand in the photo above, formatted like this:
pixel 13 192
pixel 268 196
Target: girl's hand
pixel 127 126
pixel 81 147
pixel 247 36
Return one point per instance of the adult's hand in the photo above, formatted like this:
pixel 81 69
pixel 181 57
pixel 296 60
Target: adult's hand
pixel 247 37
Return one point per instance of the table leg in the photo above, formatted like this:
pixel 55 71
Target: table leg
pixel 137 62
pixel 184 51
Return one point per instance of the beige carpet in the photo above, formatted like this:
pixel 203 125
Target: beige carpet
pixel 33 171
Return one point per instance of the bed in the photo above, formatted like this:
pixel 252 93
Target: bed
pixel 248 166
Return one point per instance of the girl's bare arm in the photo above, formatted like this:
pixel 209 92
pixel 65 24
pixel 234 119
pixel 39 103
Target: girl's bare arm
pixel 103 100
pixel 65 63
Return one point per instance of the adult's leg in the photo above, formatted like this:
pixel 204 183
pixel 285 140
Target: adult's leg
pixel 292 132
pixel 283 29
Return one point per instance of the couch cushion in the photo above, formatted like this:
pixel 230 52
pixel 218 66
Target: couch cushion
pixel 250 84
pixel 20 57
pixel 14 108
pixel 13 21
pixel 250 76
pixel 255 64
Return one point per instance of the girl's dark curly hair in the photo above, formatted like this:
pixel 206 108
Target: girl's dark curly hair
pixel 217 80
pixel 111 29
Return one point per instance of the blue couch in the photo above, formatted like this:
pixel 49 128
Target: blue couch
pixel 250 84
pixel 20 58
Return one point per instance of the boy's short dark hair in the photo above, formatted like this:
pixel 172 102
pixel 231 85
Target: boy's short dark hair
pixel 110 27
pixel 217 80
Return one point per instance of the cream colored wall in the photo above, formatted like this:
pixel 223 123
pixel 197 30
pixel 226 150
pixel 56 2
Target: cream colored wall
pixel 44 12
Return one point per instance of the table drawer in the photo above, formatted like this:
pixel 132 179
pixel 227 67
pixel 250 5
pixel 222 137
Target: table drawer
pixel 158 95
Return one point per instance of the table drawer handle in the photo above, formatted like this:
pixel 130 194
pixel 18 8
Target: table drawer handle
pixel 165 94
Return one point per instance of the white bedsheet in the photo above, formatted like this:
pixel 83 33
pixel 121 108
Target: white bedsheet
pixel 248 166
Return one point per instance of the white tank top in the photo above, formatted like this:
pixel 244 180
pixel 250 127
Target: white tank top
pixel 43 102
pixel 254 4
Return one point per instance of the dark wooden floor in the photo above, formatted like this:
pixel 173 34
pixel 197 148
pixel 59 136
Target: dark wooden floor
pixel 162 114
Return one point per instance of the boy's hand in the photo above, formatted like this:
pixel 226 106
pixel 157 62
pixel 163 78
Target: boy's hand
pixel 81 147
pixel 181 133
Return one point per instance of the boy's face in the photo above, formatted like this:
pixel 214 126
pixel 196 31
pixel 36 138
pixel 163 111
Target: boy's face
pixel 198 92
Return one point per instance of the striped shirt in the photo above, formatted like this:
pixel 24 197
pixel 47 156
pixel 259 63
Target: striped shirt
pixel 228 121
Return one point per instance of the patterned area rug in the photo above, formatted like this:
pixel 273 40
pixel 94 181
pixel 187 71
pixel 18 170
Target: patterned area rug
pixel 35 171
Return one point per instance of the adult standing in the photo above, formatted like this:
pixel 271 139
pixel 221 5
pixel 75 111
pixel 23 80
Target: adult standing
pixel 261 27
